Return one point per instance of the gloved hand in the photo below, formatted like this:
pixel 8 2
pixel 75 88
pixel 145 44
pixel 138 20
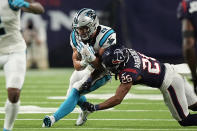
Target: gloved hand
pixel 90 53
pixel 86 51
pixel 20 3
pixel 81 49
pixel 90 107
pixel 83 63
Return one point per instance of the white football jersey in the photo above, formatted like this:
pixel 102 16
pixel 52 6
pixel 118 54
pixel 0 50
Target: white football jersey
pixel 11 39
pixel 105 37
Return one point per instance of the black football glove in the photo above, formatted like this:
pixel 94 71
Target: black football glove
pixel 90 107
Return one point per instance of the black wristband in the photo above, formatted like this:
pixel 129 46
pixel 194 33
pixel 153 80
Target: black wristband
pixel 96 107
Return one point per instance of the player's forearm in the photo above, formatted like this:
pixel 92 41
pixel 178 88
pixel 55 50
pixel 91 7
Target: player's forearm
pixel 111 102
pixel 121 92
pixel 96 63
pixel 190 55
pixel 190 58
pixel 35 8
pixel 77 65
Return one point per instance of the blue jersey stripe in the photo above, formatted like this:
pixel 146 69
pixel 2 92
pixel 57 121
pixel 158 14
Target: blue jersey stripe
pixel 106 35
pixel 74 39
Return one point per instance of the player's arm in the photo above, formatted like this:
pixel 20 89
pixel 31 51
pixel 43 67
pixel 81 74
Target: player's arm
pixel 97 62
pixel 78 64
pixel 28 6
pixel 189 47
pixel 121 92
pixel 34 7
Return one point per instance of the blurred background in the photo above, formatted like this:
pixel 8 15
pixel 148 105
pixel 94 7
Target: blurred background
pixel 148 26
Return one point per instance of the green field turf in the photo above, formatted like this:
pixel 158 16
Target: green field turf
pixel 134 114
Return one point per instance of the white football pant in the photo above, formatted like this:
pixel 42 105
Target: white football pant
pixel 14 65
pixel 178 93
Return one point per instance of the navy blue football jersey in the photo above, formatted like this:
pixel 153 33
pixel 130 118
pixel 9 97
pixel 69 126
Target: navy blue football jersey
pixel 187 9
pixel 151 70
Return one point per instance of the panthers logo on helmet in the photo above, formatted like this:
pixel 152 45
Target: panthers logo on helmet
pixel 91 14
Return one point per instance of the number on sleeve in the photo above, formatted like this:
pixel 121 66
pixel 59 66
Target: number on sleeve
pixel 2 30
pixel 104 30
pixel 126 79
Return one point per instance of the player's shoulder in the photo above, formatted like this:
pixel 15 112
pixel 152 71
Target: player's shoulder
pixel 106 36
pixel 186 9
pixel 104 30
pixel 105 27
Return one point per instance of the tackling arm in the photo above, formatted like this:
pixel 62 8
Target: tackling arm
pixel 189 47
pixel 97 62
pixel 121 92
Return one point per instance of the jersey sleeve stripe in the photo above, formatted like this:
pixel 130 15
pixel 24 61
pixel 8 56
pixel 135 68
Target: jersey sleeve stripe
pixel 130 70
pixel 74 39
pixel 105 36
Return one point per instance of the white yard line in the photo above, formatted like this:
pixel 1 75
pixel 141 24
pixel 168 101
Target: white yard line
pixel 117 129
pixel 31 109
pixel 102 119
pixel 126 103
pixel 106 96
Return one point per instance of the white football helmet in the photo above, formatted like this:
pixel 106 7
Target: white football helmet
pixel 87 21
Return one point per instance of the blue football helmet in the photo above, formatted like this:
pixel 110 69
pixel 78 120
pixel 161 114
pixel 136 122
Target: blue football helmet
pixel 114 57
pixel 86 20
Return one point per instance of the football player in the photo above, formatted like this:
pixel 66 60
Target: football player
pixel 135 68
pixel 12 52
pixel 88 40
pixel 187 13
